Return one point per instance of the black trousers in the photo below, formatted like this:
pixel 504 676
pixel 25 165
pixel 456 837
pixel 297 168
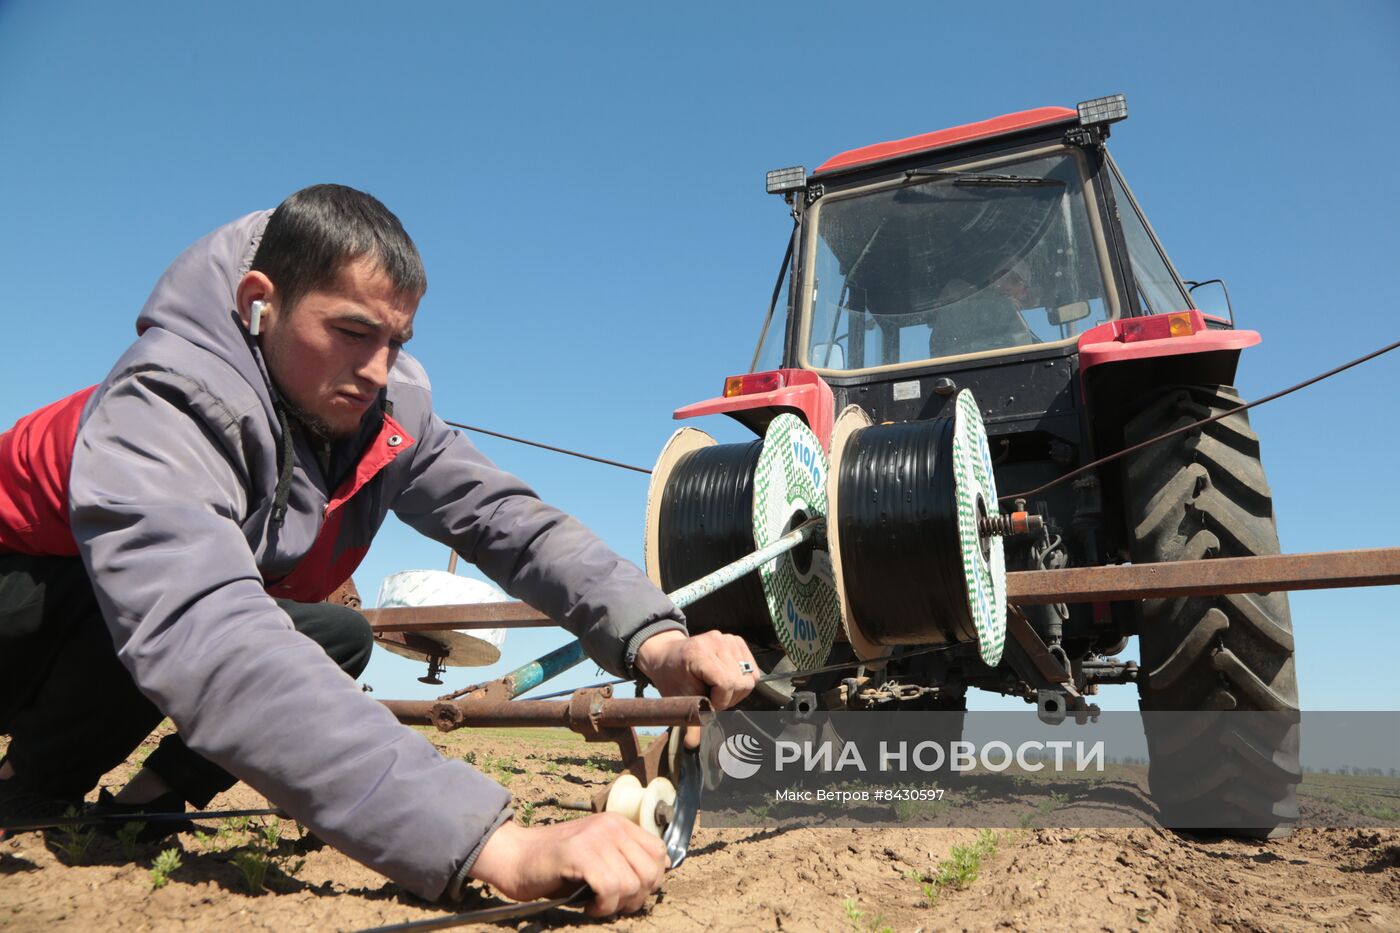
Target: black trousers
pixel 69 706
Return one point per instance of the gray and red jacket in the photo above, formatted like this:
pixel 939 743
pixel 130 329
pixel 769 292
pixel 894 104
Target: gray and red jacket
pixel 163 478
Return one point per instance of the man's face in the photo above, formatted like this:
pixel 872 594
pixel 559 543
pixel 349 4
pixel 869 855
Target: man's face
pixel 1016 288
pixel 331 354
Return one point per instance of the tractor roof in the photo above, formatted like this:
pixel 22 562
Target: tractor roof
pixel 984 129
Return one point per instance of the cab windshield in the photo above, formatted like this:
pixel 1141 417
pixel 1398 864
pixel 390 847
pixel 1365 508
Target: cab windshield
pixel 950 263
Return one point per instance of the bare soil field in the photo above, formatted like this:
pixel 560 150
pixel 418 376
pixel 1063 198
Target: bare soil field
pixel 859 880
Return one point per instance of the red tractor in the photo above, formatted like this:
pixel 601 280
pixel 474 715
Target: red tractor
pixel 1010 258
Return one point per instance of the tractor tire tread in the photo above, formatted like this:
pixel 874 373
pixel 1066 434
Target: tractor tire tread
pixel 1200 495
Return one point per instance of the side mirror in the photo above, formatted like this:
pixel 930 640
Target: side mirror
pixel 1068 314
pixel 1213 298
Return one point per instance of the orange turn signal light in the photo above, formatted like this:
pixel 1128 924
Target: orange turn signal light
pixel 1181 324
pixel 753 383
pixel 1158 326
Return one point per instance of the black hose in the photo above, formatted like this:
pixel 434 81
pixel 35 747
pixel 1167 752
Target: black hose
pixel 706 522
pixel 901 553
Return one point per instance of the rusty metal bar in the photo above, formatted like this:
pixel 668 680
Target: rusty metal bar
pixel 411 712
pixel 1046 663
pixel 1218 576
pixel 1321 570
pixel 606 714
pixel 462 616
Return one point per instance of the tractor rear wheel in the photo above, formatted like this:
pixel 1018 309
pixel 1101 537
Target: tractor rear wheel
pixel 1202 495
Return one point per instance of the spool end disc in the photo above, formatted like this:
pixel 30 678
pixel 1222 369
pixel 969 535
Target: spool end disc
pixel 852 419
pixel 790 487
pixel 684 441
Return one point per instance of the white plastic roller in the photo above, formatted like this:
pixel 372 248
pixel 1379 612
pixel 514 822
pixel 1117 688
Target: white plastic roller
pixel 637 804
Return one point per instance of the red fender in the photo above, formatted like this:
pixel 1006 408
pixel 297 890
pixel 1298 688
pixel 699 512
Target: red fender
pixel 1133 339
pixel 801 392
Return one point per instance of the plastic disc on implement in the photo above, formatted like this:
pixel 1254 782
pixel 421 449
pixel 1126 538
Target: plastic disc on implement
pixel 984 560
pixel 458 648
pixel 789 489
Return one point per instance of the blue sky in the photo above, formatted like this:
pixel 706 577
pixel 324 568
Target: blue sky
pixel 585 184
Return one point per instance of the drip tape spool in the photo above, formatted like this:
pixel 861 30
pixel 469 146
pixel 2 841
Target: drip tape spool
pixel 911 564
pixel 711 504
pixel 700 518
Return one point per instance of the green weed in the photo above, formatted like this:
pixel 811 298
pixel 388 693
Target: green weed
pixel 162 867
pixel 1046 806
pixel 959 869
pixel 264 854
pixel 761 811
pixel 501 770
pixel 526 814
pixel 129 836
pixel 253 864
pixel 858 920
pixel 75 840
pixel 231 825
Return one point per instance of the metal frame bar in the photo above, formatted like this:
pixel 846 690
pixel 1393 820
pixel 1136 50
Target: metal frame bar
pixel 1213 577
pixel 1219 576
pixel 600 712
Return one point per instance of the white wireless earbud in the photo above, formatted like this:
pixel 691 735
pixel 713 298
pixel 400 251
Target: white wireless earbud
pixel 255 324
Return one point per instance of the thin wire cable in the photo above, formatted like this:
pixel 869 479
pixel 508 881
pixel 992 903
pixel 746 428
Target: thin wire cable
pixel 1198 424
pixel 557 450
pixel 842 665
pixel 572 690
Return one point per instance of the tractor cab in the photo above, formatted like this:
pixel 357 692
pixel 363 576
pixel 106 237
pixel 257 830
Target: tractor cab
pixel 948 262
pixel 995 239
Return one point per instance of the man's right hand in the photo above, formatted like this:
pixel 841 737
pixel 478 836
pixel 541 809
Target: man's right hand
pixel 621 862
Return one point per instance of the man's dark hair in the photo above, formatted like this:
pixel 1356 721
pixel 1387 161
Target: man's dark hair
pixel 319 230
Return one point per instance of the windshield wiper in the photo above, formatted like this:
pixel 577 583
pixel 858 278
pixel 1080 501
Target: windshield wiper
pixel 981 178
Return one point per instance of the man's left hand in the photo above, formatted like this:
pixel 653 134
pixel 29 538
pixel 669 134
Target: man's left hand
pixel 711 664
